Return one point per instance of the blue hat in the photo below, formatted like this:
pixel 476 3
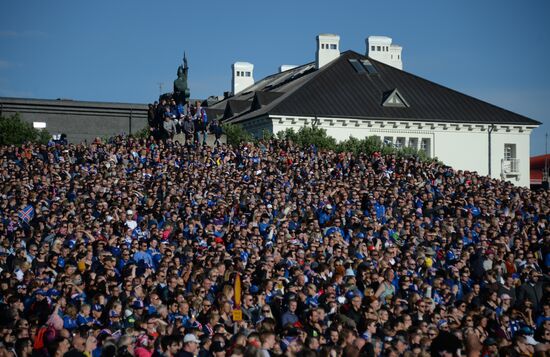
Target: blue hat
pixel 113 313
pixel 97 307
pixel 350 295
pixel 360 235
pixel 54 292
pixel 40 292
pixel 254 289
pixel 137 304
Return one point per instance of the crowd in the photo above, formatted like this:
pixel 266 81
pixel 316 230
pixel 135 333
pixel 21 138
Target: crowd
pixel 132 248
pixel 168 118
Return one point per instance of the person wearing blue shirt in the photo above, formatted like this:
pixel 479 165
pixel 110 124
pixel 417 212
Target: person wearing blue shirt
pixel 143 255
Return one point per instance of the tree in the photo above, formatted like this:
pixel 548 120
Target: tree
pixel 236 134
pixel 15 131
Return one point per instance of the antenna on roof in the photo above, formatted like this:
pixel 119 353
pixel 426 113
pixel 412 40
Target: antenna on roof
pixel 160 87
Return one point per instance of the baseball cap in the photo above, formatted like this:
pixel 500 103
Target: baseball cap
pixel 190 338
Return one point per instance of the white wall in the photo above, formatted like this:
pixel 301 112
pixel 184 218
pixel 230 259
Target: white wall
pixel 462 146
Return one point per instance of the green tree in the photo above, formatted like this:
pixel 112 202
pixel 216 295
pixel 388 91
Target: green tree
pixel 15 131
pixel 236 134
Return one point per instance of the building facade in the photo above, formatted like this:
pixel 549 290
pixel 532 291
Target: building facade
pixel 350 94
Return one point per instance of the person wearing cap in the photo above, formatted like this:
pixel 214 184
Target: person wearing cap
pixel 114 320
pixel 190 346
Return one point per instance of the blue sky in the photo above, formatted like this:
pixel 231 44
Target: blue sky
pixel 120 50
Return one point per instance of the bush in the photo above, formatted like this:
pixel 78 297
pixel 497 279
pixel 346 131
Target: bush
pixel 15 131
pixel 307 136
pixel 236 134
pixel 144 133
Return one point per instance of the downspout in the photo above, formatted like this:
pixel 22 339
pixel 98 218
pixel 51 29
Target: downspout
pixel 490 131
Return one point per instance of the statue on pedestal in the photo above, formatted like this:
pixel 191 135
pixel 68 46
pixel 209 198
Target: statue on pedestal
pixel 181 90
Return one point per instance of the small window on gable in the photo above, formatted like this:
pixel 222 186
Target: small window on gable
pixel 333 47
pixel 394 99
pixel 247 74
pixel 378 48
pixel 372 48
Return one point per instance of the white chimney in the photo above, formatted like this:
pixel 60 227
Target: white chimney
pixel 286 67
pixel 328 49
pixel 381 49
pixel 243 76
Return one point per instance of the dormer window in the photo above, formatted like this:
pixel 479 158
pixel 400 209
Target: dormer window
pixel 394 99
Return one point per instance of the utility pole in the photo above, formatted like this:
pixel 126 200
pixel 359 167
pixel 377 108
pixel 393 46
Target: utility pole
pixel 160 88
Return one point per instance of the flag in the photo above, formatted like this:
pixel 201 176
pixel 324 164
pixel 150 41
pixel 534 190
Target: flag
pixel 26 214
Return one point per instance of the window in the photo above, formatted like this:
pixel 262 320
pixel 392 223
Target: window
pixel 400 142
pixel 413 143
pixel 372 48
pixel 425 145
pixel 394 99
pixel 388 140
pixel 391 56
pixel 357 66
pixel 398 56
pixel 386 48
pixel 378 48
pixel 509 151
pixel 369 66
pixel 333 47
pixel 247 74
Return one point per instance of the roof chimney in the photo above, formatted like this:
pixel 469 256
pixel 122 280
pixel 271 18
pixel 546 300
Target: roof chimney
pixel 328 49
pixel 243 76
pixel 381 49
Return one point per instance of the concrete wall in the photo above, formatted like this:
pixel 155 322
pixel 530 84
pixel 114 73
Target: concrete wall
pixel 79 120
pixel 462 146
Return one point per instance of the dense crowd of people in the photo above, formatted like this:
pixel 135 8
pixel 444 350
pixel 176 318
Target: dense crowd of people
pixel 168 118
pixel 132 248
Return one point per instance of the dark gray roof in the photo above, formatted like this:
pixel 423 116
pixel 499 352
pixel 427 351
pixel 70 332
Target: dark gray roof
pixel 338 90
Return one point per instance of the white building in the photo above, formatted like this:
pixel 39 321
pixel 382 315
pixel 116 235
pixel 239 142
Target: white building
pixel 349 94
pixel 243 76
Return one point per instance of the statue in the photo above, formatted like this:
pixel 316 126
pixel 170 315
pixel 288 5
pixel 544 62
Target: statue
pixel 181 91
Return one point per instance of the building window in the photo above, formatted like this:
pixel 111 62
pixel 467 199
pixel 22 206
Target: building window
pixel 400 142
pixel 425 145
pixel 391 56
pixel 333 47
pixel 509 151
pixel 413 143
pixel 372 48
pixel 247 74
pixel 398 56
pixel 388 140
pixel 378 48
